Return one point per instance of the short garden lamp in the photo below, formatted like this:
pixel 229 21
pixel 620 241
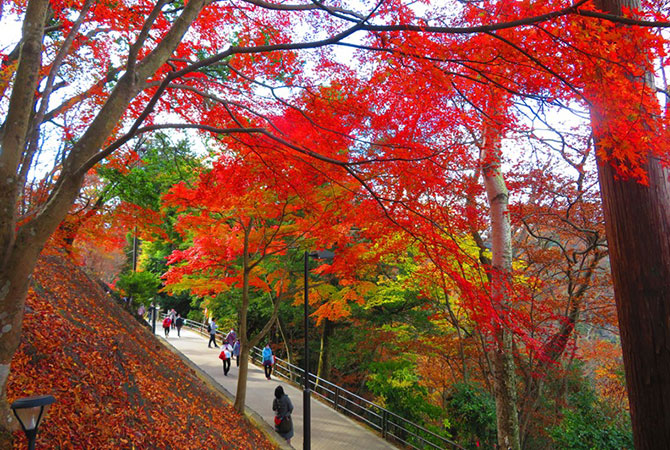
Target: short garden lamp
pixel 30 411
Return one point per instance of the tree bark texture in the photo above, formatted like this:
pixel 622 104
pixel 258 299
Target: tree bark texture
pixel 637 222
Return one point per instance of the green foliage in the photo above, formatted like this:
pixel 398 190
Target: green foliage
pixel 395 383
pixel 224 307
pixel 219 71
pixel 196 313
pixel 589 423
pixel 180 302
pixel 141 286
pixel 162 165
pixel 154 260
pixel 472 416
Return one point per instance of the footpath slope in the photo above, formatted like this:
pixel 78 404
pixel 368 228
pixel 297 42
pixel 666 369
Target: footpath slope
pixel 116 385
pixel 330 430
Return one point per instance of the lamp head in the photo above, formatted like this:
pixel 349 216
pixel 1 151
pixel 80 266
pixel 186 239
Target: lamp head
pixel 30 410
pixel 322 254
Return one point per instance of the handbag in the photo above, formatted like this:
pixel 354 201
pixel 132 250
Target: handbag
pixel 285 425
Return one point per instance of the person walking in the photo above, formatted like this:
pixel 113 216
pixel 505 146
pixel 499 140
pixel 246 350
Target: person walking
pixel 179 322
pixel 231 337
pixel 173 317
pixel 166 325
pixel 268 361
pixel 236 352
pixel 225 355
pixel 283 408
pixel 212 334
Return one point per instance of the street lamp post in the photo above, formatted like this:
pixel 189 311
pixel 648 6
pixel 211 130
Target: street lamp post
pixel 153 318
pixel 30 411
pixel 307 435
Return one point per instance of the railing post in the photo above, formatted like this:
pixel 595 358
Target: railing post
pixel 337 397
pixel 385 424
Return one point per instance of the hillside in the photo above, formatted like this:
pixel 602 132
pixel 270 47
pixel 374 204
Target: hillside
pixel 116 385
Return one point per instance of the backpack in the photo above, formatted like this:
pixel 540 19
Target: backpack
pixel 209 328
pixel 166 322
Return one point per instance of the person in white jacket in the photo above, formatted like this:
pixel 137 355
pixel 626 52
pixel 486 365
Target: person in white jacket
pixel 212 334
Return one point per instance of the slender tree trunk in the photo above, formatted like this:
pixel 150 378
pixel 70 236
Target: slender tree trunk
pixel 283 337
pixel 504 377
pixel 243 373
pixel 322 370
pixel 241 393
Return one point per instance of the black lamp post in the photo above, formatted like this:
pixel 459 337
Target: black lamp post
pixel 153 318
pixel 307 436
pixel 30 411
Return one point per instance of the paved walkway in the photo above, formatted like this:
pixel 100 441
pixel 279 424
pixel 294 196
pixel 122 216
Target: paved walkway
pixel 330 430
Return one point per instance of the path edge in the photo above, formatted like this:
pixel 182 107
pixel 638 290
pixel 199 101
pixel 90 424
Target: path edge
pixel 252 416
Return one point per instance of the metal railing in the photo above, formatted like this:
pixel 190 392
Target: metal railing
pixel 391 426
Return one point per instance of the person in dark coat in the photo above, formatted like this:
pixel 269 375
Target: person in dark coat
pixel 179 322
pixel 283 408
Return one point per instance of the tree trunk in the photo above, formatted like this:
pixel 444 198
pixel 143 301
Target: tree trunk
pixel 243 373
pixel 283 337
pixel 638 233
pixel 322 370
pixel 16 263
pixel 241 392
pixel 637 222
pixel 20 246
pixel 246 343
pixel 504 377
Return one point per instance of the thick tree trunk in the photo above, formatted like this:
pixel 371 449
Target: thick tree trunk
pixel 637 220
pixel 20 247
pixel 16 263
pixel 504 376
pixel 14 279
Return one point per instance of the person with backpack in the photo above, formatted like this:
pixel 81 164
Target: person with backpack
pixel 212 334
pixel 225 355
pixel 268 361
pixel 179 322
pixel 283 408
pixel 166 325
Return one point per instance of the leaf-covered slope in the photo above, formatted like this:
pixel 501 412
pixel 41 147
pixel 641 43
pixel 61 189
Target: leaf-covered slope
pixel 116 386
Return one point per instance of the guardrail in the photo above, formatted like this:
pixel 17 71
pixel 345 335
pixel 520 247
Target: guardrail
pixel 391 426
